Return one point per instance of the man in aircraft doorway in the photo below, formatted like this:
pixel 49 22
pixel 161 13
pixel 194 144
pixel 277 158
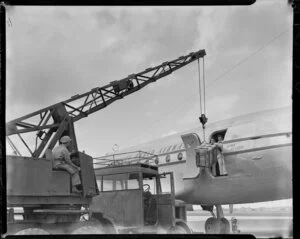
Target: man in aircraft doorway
pixel 220 164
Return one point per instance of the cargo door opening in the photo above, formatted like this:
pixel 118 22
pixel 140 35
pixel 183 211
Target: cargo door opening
pixel 218 165
pixel 216 134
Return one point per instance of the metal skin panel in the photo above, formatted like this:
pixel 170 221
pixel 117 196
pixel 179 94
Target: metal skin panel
pixel 88 178
pixel 61 182
pixel 180 212
pixel 191 141
pixel 19 201
pixel 28 176
pixel 253 181
pixel 165 206
pixel 124 207
pixel 258 160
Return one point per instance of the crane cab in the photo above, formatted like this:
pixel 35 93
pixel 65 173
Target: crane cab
pixel 34 179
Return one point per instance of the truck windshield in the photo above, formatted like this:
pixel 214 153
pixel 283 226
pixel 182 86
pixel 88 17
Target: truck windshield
pixel 115 182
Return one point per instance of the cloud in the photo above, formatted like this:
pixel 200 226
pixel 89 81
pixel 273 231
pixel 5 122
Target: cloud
pixel 54 53
pixel 136 55
pixel 149 113
pixel 51 52
pixel 264 20
pixel 225 30
pixel 171 132
pixel 217 108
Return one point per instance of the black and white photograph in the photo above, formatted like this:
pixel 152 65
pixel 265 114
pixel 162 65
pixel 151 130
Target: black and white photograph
pixel 149 119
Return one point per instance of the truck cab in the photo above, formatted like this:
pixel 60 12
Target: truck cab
pixel 132 197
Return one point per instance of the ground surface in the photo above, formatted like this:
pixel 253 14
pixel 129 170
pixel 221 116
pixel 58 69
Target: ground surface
pixel 260 223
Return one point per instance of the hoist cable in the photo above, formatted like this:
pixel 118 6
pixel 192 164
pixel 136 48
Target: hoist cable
pixel 202 118
pixel 203 70
pixel 199 87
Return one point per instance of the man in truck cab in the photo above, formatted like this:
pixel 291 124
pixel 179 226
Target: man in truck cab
pixel 150 210
pixel 62 161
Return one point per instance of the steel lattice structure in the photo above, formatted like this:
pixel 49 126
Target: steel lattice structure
pixel 52 122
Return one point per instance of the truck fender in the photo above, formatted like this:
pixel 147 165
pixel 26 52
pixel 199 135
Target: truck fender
pixel 107 223
pixel 182 224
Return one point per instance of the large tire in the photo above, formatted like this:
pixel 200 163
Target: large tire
pixel 180 228
pixel 89 230
pixel 217 226
pixel 225 226
pixel 212 226
pixel 32 231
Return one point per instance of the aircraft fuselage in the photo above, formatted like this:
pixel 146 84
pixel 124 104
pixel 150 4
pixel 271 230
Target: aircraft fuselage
pixel 257 152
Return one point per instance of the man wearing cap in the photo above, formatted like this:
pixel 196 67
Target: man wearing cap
pixel 62 161
pixel 220 157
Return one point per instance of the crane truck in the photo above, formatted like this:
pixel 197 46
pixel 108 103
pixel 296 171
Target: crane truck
pixel 39 197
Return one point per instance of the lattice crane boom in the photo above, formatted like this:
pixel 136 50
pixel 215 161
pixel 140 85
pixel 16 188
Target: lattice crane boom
pixel 56 120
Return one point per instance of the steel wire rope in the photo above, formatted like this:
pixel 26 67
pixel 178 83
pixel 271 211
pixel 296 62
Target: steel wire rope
pixel 221 76
pixel 204 87
pixel 199 87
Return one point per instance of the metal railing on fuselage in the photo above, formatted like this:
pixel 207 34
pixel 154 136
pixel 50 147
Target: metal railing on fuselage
pixel 125 159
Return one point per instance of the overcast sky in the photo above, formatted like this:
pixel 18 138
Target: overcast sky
pixel 54 53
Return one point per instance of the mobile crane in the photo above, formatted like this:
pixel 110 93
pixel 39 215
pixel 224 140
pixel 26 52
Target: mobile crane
pixel 44 193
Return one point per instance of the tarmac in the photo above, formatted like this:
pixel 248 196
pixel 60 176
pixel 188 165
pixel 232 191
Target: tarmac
pixel 257 222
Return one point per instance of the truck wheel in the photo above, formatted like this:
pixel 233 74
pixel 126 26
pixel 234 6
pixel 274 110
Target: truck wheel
pixel 108 226
pixel 180 228
pixel 89 230
pixel 32 231
pixel 106 223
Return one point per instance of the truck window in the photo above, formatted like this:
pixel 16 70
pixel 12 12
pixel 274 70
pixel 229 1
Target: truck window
pixel 117 182
pixel 133 181
pixel 165 183
pixel 151 181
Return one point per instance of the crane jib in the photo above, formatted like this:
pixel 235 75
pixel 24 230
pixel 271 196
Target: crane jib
pixel 57 120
